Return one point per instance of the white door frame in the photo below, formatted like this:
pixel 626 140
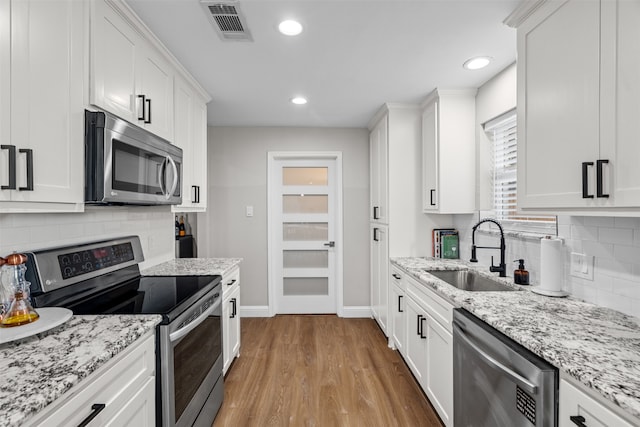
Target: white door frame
pixel 272 156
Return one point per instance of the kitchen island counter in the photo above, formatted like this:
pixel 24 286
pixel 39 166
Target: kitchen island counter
pixel 598 347
pixel 38 370
pixel 193 267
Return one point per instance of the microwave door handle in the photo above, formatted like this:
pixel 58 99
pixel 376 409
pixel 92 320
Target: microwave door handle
pixel 176 335
pixel 174 184
pixel 161 174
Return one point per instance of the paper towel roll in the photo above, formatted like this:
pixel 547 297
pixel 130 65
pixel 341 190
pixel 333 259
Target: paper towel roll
pixel 551 264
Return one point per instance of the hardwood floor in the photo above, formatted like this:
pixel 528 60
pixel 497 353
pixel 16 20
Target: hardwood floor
pixel 320 371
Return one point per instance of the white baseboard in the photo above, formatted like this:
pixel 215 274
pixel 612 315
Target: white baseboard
pixel 254 311
pixel 347 312
pixel 357 311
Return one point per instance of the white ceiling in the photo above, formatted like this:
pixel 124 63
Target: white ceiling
pixel 353 55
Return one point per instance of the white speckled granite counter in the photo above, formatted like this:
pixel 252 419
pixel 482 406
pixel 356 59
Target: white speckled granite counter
pixel 37 370
pixel 193 267
pixel 597 346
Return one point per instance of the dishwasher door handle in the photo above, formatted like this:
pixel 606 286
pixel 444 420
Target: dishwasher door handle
pixel 515 377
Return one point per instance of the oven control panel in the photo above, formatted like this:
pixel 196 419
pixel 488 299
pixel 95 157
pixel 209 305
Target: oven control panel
pixel 85 261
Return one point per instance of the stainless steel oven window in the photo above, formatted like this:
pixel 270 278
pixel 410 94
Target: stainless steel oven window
pixel 193 358
pixel 191 354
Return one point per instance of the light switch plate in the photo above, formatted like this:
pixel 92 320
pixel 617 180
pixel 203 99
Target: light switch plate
pixel 249 211
pixel 582 265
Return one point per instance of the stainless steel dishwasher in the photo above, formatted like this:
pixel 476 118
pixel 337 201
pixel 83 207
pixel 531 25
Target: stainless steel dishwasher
pixel 498 382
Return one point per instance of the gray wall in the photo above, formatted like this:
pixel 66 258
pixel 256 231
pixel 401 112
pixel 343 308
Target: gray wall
pixel 238 178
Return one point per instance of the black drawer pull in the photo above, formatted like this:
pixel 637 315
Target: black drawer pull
pixel 419 331
pixel 400 310
pixel 375 235
pixel 424 337
pixel 96 408
pixel 396 276
pixel 231 282
pixel 29 153
pixel 585 180
pixel 375 212
pixel 431 196
pixel 599 164
pixel 578 420
pixel 233 308
pixel 12 167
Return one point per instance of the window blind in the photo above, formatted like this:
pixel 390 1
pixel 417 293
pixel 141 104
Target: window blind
pixel 502 132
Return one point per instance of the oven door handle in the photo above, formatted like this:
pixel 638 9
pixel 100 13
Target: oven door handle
pixel 513 376
pixel 176 335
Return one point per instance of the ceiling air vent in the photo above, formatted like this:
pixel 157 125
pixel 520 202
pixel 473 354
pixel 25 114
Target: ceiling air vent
pixel 227 19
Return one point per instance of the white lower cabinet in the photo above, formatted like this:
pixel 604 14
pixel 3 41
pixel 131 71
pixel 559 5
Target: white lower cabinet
pixel 230 318
pixel 577 407
pixel 428 349
pixel 398 309
pixel 379 275
pixel 125 386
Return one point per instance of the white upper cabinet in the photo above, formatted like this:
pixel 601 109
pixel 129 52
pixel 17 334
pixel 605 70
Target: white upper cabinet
pixel 379 146
pixel 191 136
pixel 577 114
pixel 42 80
pixel 448 152
pixel 129 78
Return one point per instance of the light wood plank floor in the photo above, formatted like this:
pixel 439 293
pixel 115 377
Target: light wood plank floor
pixel 320 371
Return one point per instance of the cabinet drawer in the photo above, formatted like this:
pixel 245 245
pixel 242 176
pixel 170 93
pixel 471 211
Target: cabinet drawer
pixel 113 385
pixel 230 282
pixel 435 305
pixel 576 403
pixel 397 277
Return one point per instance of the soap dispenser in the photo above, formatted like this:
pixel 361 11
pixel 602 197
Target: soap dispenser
pixel 520 275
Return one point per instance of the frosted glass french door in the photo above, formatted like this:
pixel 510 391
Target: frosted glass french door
pixel 304 230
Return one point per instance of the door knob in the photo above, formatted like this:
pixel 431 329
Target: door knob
pixel 330 244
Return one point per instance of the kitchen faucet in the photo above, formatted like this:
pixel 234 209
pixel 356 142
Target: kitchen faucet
pixel 502 268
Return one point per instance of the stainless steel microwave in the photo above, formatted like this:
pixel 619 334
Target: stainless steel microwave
pixel 125 164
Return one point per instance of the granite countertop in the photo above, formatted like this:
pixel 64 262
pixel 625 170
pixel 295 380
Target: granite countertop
pixel 597 346
pixel 193 267
pixel 37 370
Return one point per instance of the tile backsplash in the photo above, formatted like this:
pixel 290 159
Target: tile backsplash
pixel 154 225
pixel 613 241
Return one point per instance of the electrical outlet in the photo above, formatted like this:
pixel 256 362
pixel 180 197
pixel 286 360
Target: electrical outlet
pixel 582 265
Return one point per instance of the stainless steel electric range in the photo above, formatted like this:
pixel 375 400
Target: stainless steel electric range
pixel 104 278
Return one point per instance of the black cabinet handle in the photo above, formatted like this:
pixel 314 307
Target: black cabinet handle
pixel 396 276
pixel 29 153
pixel 375 234
pixel 599 164
pixel 400 310
pixel 148 120
pixel 585 180
pixel 194 194
pixel 433 190
pixel 419 331
pixel 143 98
pixel 233 308
pixel 424 337
pixel 197 194
pixel 96 408
pixel 578 420
pixel 12 167
pixel 231 282
pixel 375 212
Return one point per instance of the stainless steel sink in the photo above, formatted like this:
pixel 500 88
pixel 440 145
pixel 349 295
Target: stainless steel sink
pixel 469 280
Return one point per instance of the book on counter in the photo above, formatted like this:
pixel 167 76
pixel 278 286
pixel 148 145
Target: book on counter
pixel 445 243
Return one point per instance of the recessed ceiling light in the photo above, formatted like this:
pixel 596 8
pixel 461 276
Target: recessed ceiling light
pixel 477 63
pixel 290 27
pixel 299 100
